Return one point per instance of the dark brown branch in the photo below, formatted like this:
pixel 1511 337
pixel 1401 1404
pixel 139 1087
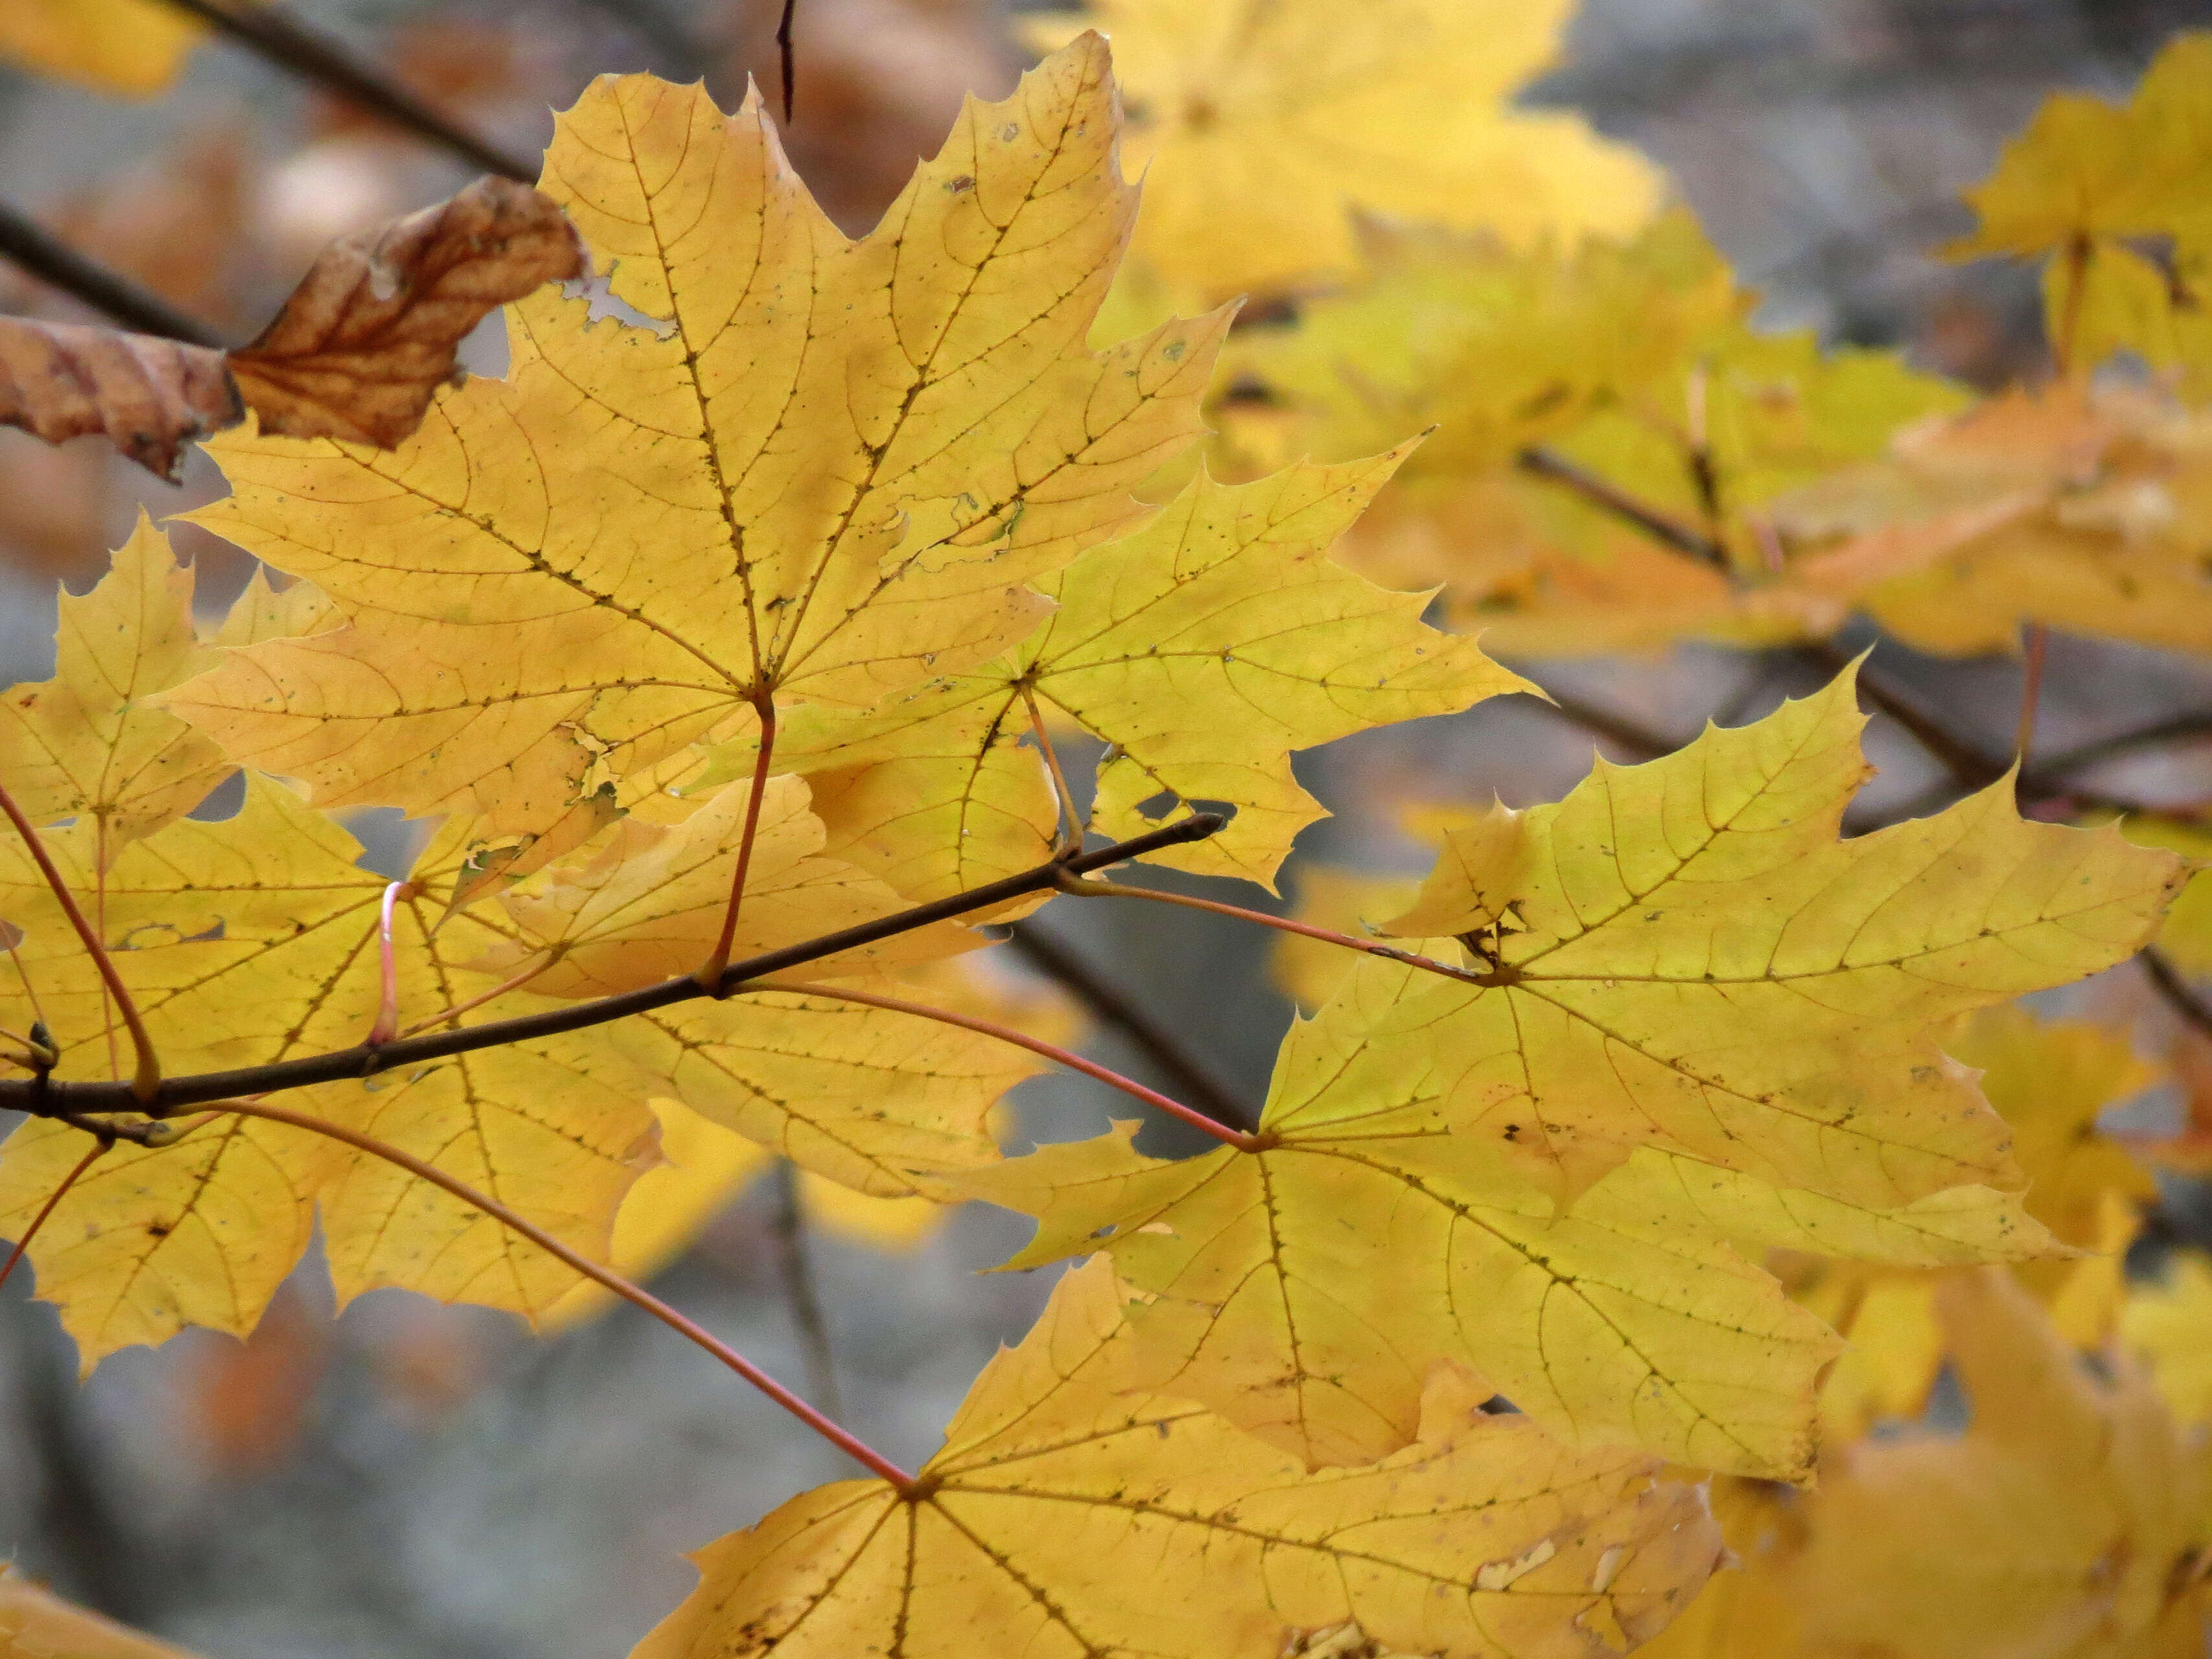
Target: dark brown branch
pixel 2178 728
pixel 1106 1002
pixel 278 38
pixel 50 1098
pixel 1640 741
pixel 2170 984
pixel 55 263
pixel 785 58
pixel 1545 463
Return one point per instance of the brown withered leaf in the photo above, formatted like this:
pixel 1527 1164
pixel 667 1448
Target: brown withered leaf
pixel 357 352
pixel 150 396
pixel 368 337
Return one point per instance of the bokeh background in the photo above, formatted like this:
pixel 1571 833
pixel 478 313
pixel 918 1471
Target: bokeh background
pixel 418 1479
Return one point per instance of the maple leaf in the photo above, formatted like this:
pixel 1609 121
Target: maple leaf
pixel 826 469
pixel 252 940
pixel 1306 1289
pixel 1054 1493
pixel 133 47
pixel 1738 988
pixel 2069 1519
pixel 1738 983
pixel 1255 125
pixel 84 743
pixel 1225 600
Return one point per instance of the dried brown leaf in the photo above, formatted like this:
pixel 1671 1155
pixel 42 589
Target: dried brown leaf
pixel 369 335
pixel 60 380
pixel 356 353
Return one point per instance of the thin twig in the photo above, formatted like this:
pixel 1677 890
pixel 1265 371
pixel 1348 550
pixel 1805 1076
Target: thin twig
pixel 2176 728
pixel 787 58
pixel 1242 1140
pixel 58 265
pixel 842 1439
pixel 1283 924
pixel 278 38
pixel 1640 741
pixel 2168 981
pixel 1106 1000
pixel 796 1269
pixel 1602 492
pixel 148 1076
pixel 100 1143
pixel 710 973
pixel 52 1097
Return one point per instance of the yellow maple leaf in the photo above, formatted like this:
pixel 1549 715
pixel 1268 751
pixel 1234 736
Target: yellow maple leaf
pixel 1736 988
pixel 2067 1520
pixel 254 939
pixel 1305 1289
pixel 820 469
pixel 1736 983
pixel 1225 600
pixel 135 47
pixel 1056 1493
pixel 84 743
pixel 1255 125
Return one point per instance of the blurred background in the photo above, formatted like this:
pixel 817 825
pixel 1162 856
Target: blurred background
pixel 419 1479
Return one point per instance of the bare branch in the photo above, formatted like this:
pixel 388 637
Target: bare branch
pixel 58 265
pixel 275 36
pixel 2171 985
pixel 1602 493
